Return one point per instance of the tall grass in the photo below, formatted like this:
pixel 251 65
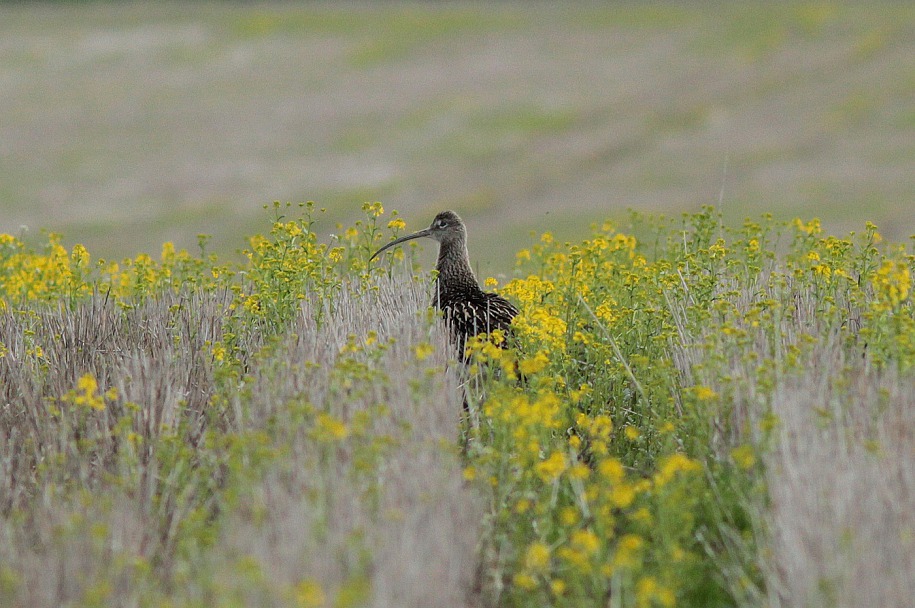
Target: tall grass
pixel 700 416
pixel 841 481
pixel 137 468
pixel 832 419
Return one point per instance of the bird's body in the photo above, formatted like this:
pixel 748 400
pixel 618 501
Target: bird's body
pixel 468 310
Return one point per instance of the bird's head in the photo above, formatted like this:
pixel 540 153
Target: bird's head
pixel 447 228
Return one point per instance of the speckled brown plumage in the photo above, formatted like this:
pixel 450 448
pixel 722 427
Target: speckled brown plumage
pixel 467 309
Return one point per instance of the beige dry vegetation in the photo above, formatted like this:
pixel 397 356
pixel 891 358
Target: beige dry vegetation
pixel 838 446
pixel 164 459
pixel 841 481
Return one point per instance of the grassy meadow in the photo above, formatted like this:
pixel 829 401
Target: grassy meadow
pixel 709 415
pixel 203 403
pixel 127 124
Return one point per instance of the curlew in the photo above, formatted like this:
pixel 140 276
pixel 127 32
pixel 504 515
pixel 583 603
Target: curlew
pixel 468 310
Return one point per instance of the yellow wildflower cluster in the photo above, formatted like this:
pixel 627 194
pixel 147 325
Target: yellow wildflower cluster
pixel 811 228
pixel 53 273
pixel 604 485
pixel 892 283
pixel 329 429
pixel 309 594
pixel 544 326
pixel 86 394
pixel 649 593
pixel 375 209
pixel 423 350
pixel 550 469
pixel 673 465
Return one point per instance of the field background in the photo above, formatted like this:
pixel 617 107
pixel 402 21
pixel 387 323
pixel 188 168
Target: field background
pixel 711 413
pixel 126 125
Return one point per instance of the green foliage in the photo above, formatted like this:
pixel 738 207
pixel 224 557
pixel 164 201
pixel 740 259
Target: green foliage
pixel 638 365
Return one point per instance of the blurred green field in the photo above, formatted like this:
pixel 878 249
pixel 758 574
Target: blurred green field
pixel 126 125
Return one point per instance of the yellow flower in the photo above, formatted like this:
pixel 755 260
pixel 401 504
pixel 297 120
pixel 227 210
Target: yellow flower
pixel 579 336
pixel 335 254
pixel 87 384
pixel 649 593
pixel 645 589
pixel 631 542
pixel 627 551
pixel 585 540
pixel 642 516
pixel 672 465
pixel 601 426
pixel 168 251
pixel 622 495
pixel 632 433
pixel 717 250
pixel 822 270
pixel 743 456
pixel 584 389
pixel 86 393
pixel 525 581
pixel 575 557
pixel 612 470
pixel 252 304
pixel 892 282
pixel 329 428
pixel 423 350
pixel 568 516
pixel 811 228
pixel 375 209
pixel 80 256
pixel 579 471
pixel 534 365
pixel 219 353
pixel 666 597
pixel 605 312
pixel 292 228
pixel 397 224
pixel 704 393
pixel 309 594
pixel 490 282
pixel 551 468
pixel 537 557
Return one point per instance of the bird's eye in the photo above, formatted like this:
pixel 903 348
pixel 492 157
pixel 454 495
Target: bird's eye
pixel 442 223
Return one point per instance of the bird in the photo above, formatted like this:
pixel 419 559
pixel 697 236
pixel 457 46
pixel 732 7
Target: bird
pixel 467 309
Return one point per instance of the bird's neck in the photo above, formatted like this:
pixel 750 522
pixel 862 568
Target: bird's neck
pixel 454 265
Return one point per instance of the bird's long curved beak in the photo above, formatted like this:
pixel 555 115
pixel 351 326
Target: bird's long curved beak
pixel 409 237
